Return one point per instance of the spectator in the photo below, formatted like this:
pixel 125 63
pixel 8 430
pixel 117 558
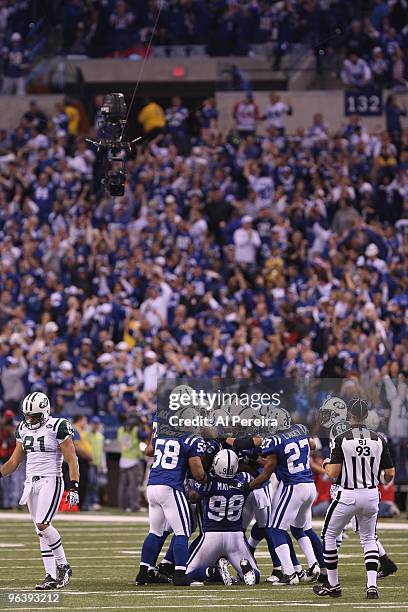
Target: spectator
pixel 275 112
pixel 246 116
pixel 247 241
pixel 12 380
pixel 97 467
pixel 153 372
pixel 84 453
pixel 355 72
pixel 152 118
pixel 10 488
pixel 380 68
pixel 16 63
pixel 176 117
pixel 393 114
pixel 121 23
pixel 399 70
pixel 208 117
pixel 131 466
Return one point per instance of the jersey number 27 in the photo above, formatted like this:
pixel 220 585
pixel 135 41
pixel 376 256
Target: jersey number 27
pixel 293 452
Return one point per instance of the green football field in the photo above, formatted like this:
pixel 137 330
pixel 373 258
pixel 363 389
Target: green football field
pixel 104 550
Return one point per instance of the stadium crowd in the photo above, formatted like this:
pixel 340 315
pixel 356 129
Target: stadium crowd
pixel 282 255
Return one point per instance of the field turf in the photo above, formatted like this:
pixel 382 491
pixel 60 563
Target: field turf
pixel 104 551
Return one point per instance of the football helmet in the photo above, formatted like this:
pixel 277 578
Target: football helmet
pixel 282 418
pixel 333 410
pixel 225 464
pixel 36 410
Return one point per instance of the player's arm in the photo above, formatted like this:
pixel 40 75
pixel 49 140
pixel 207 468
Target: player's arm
pixel 196 468
pixel 68 452
pixel 268 469
pixel 12 464
pixel 386 464
pixel 333 466
pixel 245 443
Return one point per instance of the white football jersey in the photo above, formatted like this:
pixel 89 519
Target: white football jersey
pixel 42 446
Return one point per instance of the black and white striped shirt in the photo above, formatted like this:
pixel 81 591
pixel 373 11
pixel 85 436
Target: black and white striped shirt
pixel 363 454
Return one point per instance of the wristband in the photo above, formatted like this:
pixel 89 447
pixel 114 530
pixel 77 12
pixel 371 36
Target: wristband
pixel 74 485
pixel 244 443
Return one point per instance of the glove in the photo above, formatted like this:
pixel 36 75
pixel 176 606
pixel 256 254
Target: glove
pixel 73 496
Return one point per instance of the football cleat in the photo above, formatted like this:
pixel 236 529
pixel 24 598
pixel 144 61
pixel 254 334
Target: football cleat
pixel 166 569
pixel 325 589
pixel 286 580
pixel 312 573
pixel 222 566
pixel 301 575
pixel 142 576
pixel 64 573
pixel 275 576
pixel 387 567
pixel 247 572
pixel 372 592
pixel 47 584
pixel 322 578
pixel 155 577
pixel 182 580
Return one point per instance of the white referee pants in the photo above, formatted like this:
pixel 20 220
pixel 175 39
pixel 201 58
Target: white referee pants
pixel 215 544
pixel 168 511
pixel 363 504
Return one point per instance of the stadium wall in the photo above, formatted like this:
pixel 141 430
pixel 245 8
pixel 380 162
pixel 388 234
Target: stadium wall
pixel 305 104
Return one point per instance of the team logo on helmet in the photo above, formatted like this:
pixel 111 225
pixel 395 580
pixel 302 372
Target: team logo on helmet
pixel 333 410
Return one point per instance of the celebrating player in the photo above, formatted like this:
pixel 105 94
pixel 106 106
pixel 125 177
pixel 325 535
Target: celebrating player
pixel 45 441
pixel 223 539
pixel 168 508
pixel 357 458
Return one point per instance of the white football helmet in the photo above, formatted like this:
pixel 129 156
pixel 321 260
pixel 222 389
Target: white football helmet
pixel 333 410
pixel 282 417
pixel 36 409
pixel 225 464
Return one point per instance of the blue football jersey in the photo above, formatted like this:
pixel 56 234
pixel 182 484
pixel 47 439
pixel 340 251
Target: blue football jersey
pixel 171 457
pixel 223 502
pixel 292 450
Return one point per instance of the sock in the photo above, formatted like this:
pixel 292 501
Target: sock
pixel 52 538
pixel 48 558
pixel 371 563
pixel 317 547
pixel 279 539
pixel 381 549
pixel 275 559
pixel 180 549
pixel 305 545
pixel 257 534
pixel 169 556
pixel 293 556
pixel 199 573
pixel 331 561
pixel 151 549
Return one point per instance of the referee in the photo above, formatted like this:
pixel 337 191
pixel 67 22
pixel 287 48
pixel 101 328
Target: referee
pixel 358 457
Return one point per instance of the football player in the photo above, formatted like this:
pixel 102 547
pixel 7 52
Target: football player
pixel 168 508
pixel 45 441
pixel 223 498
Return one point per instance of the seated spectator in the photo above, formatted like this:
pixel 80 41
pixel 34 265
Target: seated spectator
pixel 355 72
